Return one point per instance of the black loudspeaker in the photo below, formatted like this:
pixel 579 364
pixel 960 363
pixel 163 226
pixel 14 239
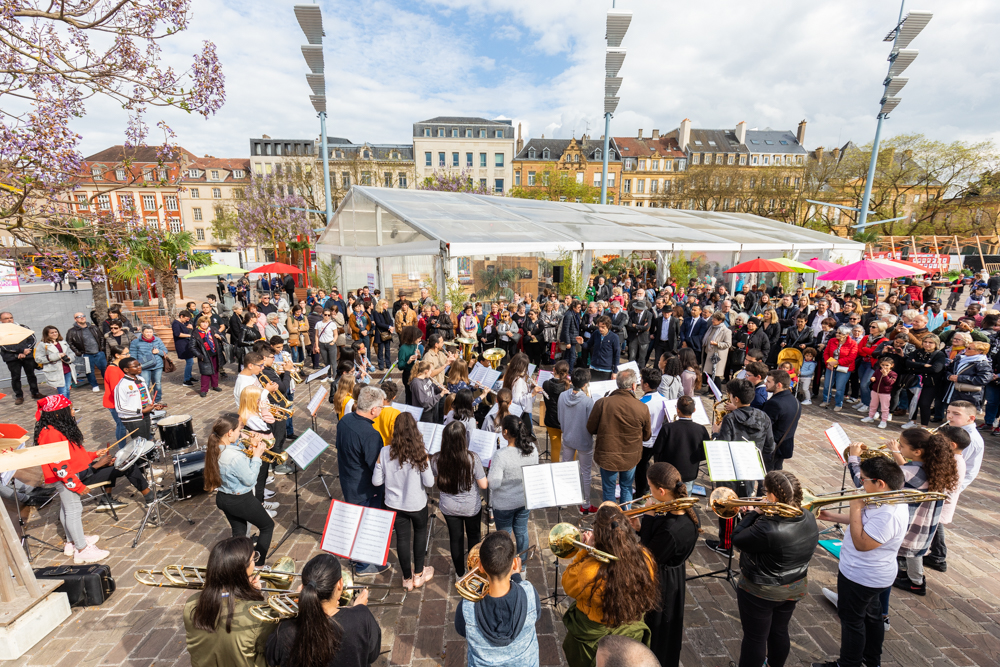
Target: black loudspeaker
pixel 557 274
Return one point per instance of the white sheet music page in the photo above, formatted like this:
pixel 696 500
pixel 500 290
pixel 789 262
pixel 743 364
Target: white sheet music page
pixel 700 416
pixel 371 545
pixel 478 374
pixel 839 439
pixel 490 377
pixel 317 400
pixel 538 488
pixel 531 370
pixel 515 410
pixel 633 365
pixel 306 448
pixel 341 526
pixel 543 377
pixel 566 482
pixel 417 412
pixel 715 390
pixel 720 461
pixel 484 443
pixel 432 436
pixel 746 460
pixel 318 374
pixel 602 388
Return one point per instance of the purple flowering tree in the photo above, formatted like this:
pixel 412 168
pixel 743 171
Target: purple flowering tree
pixel 56 55
pixel 269 212
pixel 443 181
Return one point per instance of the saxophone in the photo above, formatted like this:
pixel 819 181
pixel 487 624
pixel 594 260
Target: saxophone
pixel 719 410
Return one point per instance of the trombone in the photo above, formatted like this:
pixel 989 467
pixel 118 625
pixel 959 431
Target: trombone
pixel 685 503
pixel 564 542
pixel 726 504
pixel 280 574
pixel 474 585
pixel 286 605
pixel 813 503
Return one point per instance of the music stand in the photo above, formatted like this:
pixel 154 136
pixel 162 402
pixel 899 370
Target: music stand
pixel 553 598
pixel 154 507
pixel 314 425
pixel 297 453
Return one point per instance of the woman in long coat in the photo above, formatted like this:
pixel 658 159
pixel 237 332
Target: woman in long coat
pixel 716 343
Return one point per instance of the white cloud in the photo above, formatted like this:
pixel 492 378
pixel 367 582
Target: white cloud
pixel 770 63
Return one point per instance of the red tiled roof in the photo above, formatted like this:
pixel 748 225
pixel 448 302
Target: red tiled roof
pixel 142 154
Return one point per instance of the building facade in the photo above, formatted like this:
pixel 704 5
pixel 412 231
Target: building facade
pixel 212 188
pixel 581 158
pixel 483 149
pixel 650 168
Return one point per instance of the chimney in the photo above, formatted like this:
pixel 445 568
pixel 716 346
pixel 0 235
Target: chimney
pixel 836 153
pixel 264 136
pixel 543 136
pixel 741 132
pixel 520 141
pixel 640 133
pixel 800 136
pixel 819 153
pixel 684 134
pixel 656 134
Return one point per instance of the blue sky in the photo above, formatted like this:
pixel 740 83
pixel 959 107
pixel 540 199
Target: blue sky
pixel 769 62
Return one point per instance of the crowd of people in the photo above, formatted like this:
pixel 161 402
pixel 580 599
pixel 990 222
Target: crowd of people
pixel 760 354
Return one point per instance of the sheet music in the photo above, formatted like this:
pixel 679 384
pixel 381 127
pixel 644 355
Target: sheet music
pixel 371 545
pixel 317 400
pixel 531 370
pixel 538 488
pixel 720 461
pixel 700 416
pixel 490 378
pixel 432 436
pixel 630 365
pixel 747 460
pixel 515 410
pixel 839 439
pixel 477 374
pixel 566 481
pixel 306 448
pixel 484 443
pixel 341 527
pixel 417 412
pixel 715 390
pixel 543 377
pixel 318 374
pixel 602 388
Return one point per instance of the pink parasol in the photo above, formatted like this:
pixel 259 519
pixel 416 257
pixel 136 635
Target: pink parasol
pixel 822 264
pixel 277 267
pixel 867 269
pixel 759 266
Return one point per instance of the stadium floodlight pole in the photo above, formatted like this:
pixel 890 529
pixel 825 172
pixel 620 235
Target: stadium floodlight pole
pixel 617 26
pixel 310 18
pixel 900 58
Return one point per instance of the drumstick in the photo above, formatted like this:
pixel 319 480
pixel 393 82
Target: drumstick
pixel 101 452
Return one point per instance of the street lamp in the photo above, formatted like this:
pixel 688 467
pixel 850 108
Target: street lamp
pixel 907 28
pixel 614 56
pixel 310 19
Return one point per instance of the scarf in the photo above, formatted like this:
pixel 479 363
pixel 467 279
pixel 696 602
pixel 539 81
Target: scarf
pixel 208 339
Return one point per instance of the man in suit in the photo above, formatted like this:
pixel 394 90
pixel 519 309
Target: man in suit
pixel 665 335
pixel 680 442
pixel 693 330
pixel 640 319
pixel 784 410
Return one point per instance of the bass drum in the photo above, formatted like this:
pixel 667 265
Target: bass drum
pixel 189 474
pixel 177 432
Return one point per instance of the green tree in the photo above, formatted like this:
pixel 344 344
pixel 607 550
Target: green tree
pixel 555 185
pixel 158 251
pixel 496 283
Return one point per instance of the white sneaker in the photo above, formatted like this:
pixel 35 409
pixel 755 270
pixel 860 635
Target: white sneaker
pixel 881 424
pixel 824 404
pixel 70 548
pixel 853 400
pixel 90 555
pixel 862 408
pixel 270 479
pixel 838 408
pixel 887 417
pixel 271 513
pixel 831 596
pixel 867 420
pixel 807 402
pixel 268 493
pixel 910 424
pixel 96 390
pixel 271 505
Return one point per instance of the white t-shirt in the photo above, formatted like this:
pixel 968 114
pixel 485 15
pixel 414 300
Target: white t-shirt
pixel 657 413
pixel 242 382
pixel 326 332
pixel 876 568
pixel 973 455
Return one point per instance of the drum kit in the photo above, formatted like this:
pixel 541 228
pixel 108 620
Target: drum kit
pixel 188 458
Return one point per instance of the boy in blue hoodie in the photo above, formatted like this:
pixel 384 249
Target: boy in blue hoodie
pixel 500 628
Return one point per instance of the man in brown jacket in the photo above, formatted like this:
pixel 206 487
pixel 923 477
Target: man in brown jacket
pixel 621 423
pixel 406 317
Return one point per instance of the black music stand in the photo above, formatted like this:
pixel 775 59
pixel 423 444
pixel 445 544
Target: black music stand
pixel 297 525
pixel 553 598
pixel 25 535
pixel 320 475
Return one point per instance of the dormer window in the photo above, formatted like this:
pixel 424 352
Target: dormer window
pixel 192 173
pixel 468 134
pixel 454 133
pixel 440 131
pixel 598 154
pixel 215 174
pixel 96 172
pixel 239 173
pixel 367 155
pixel 576 158
pixel 545 153
pixel 531 155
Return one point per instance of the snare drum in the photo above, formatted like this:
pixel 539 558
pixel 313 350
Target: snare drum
pixel 189 473
pixel 177 432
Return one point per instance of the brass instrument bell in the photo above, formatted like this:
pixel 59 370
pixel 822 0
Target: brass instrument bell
pixel 493 356
pixel 726 504
pixel 564 542
pixel 870 452
pixel 467 345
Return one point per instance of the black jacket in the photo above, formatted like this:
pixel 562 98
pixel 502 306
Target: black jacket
pixel 693 334
pixel 934 375
pixel 74 338
pixel 204 357
pixel 748 423
pixel 673 342
pixel 775 551
pixel 787 315
pixel 759 340
pixel 618 323
pixel 553 389
pixel 784 410
pixel 795 338
pixel 681 444
pixel 640 319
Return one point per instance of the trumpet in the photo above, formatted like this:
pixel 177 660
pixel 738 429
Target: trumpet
pixel 726 504
pixel 296 372
pixel 267 455
pixel 870 452
pixel 286 605
pixel 564 542
pixel 280 574
pixel 813 503
pixel 474 585
pixel 263 380
pixel 280 413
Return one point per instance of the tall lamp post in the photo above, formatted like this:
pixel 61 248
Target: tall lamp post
pixel 618 22
pixel 310 19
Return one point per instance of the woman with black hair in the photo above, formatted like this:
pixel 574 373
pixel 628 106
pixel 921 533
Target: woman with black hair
pixel 516 378
pixel 462 411
pixel 551 390
pixel 671 538
pixel 217 620
pixel 324 633
pixel 458 472
pixel 404 469
pixel 506 480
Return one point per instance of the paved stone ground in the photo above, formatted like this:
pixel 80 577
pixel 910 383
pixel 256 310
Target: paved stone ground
pixel 957 623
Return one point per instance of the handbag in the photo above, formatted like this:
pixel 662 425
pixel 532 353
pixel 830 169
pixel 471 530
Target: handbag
pixel 385 335
pixel 168 365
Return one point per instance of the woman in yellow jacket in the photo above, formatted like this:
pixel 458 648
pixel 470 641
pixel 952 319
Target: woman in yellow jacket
pixel 610 598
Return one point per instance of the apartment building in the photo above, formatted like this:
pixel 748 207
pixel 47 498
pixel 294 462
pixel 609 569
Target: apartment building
pixel 212 186
pixel 481 148
pixel 650 167
pixel 583 158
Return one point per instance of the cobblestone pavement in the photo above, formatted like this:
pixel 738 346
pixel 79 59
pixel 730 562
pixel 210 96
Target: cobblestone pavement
pixel 957 623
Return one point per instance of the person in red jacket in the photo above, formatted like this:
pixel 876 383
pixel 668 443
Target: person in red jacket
pixel 112 375
pixel 840 354
pixel 866 362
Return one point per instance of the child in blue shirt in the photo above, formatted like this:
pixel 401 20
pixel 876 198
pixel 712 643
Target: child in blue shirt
pixel 807 373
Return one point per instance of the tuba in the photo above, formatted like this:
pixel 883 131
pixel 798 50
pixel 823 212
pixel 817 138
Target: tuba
pixel 493 356
pixel 870 452
pixel 286 605
pixel 467 345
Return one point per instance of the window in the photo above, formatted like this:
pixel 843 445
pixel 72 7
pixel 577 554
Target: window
pixel 195 194
pixel 441 159
pixel 611 179
pixel 597 154
pixel 654 186
pixel 545 153
pixel 401 180
pixel 149 202
pixel 654 165
pixel 427 131
pixel 197 213
pixel 120 174
pixel 482 159
pixel 666 185
pixel 440 131
pixel 743 160
pixel 387 179
pixel 428 158
pixel 668 165
pixel 216 193
pixel 597 179
pixel 104 202
pixel 627 185
pixel 916 198
pixel 611 199
pixel 681 165
pixel 765 159
pixel 345 178
pixel 152 221
pixel 468 134
pixel 902 199
pixel 454 159
pixel 95 172
pixel 259 168
pixel 170 202
pixel 199 233
pixel 366 154
pixel 642 165
pixel 753 181
pixel 454 133
pixel 468 158
pixel 175 226
pixel 482 135
pixel 531 154
pixel 718 158
pixel 366 178
pixel 531 178
pixel 127 202
pixel 783 142
pixel 517 178
pixel 482 181
pixel 768 142
pixel 498 185
pixel 498 134
pixel 498 160
pixel 798 159
pixel 725 204
pixel 788 180
pixel 215 174
pixel 798 181
pixel 82 202
pixel 694 158
pixel 239 173
pixel 579 177
pixel 730 159
pixel 219 213
pixel 640 186
pixel 147 175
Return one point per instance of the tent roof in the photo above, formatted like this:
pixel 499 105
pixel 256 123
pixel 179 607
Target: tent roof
pixel 392 222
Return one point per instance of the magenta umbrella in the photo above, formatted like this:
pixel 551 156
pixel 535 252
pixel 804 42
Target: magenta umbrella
pixel 867 269
pixel 822 264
